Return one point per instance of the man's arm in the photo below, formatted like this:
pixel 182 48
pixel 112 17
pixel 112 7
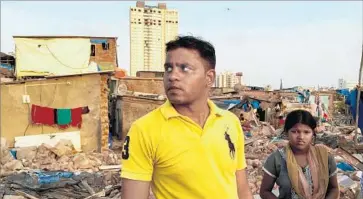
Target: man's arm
pixel 243 189
pixel 242 185
pixel 135 189
pixel 137 164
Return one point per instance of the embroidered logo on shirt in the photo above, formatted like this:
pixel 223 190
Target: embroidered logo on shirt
pixel 232 150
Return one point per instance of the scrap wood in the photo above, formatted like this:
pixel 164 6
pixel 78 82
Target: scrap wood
pixel 110 167
pixel 109 190
pixel 251 141
pixel 89 189
pixel 99 194
pixel 349 158
pixel 252 157
pixel 25 194
pixel 118 196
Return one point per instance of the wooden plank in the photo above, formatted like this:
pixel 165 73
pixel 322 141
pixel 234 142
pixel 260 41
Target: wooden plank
pixel 247 142
pixel 25 194
pixel 89 189
pixel 99 194
pixel 350 158
pixel 110 167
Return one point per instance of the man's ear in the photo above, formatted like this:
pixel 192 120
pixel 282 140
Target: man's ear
pixel 211 76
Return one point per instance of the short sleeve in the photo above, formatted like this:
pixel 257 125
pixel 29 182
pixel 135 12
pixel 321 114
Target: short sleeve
pixel 332 166
pixel 137 158
pixel 241 158
pixel 270 166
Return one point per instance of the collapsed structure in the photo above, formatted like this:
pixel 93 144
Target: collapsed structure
pixel 39 160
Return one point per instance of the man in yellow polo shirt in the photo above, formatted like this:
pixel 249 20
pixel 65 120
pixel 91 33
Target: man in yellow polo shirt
pixel 188 148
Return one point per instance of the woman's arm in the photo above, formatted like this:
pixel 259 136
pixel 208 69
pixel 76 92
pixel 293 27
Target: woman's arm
pixel 333 188
pixel 268 183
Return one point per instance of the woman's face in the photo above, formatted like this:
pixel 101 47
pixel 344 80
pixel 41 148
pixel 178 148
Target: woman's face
pixel 301 136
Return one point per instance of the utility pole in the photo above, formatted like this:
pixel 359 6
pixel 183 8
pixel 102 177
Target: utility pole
pixel 358 98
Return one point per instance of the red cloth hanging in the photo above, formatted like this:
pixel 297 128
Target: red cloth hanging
pixel 76 114
pixel 42 115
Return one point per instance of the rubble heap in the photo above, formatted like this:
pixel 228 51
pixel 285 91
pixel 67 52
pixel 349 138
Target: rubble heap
pixel 58 172
pixel 60 157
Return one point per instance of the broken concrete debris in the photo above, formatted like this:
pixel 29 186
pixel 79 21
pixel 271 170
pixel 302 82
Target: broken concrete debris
pixel 58 172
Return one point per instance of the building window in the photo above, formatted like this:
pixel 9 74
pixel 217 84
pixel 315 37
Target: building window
pixel 93 50
pixel 105 46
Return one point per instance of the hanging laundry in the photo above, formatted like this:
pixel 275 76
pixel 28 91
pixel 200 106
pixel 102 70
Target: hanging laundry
pixel 64 116
pixel 42 115
pixel 76 117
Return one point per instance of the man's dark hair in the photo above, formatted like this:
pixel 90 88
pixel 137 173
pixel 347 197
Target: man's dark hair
pixel 205 49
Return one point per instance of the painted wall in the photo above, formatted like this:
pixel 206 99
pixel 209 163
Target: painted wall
pixel 81 91
pixel 63 56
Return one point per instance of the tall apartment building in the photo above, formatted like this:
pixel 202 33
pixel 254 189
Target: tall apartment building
pixel 151 27
pixel 228 79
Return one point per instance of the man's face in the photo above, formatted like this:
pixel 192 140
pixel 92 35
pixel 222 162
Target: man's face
pixel 187 77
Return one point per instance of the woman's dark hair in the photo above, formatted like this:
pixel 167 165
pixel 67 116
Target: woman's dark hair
pixel 299 117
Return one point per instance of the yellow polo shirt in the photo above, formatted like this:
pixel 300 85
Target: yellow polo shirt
pixel 183 160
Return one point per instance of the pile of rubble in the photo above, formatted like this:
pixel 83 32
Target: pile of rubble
pixel 60 157
pixel 58 172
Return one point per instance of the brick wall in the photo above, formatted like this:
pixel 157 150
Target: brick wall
pixel 133 108
pixel 106 58
pixel 104 112
pixel 144 85
pixel 149 74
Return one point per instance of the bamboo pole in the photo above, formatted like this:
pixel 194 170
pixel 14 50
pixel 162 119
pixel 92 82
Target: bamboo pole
pixel 358 97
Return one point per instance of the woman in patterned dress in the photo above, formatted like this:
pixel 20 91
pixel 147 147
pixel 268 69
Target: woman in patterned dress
pixel 302 170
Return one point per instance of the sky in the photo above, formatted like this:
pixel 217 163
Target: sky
pixel 303 43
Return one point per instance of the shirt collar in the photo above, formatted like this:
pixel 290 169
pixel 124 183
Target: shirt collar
pixel 169 111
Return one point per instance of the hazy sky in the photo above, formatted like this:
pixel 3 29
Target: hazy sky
pixel 304 43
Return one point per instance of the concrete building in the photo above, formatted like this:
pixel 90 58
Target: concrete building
pixel 151 27
pixel 344 84
pixel 341 84
pixel 228 79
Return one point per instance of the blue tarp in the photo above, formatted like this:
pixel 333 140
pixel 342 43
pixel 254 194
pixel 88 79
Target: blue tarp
pixel 344 92
pixel 352 101
pixel 255 105
pixel 98 41
pixel 6 66
pixel 231 101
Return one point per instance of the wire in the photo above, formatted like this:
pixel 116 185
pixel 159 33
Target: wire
pixel 26 128
pixel 55 57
